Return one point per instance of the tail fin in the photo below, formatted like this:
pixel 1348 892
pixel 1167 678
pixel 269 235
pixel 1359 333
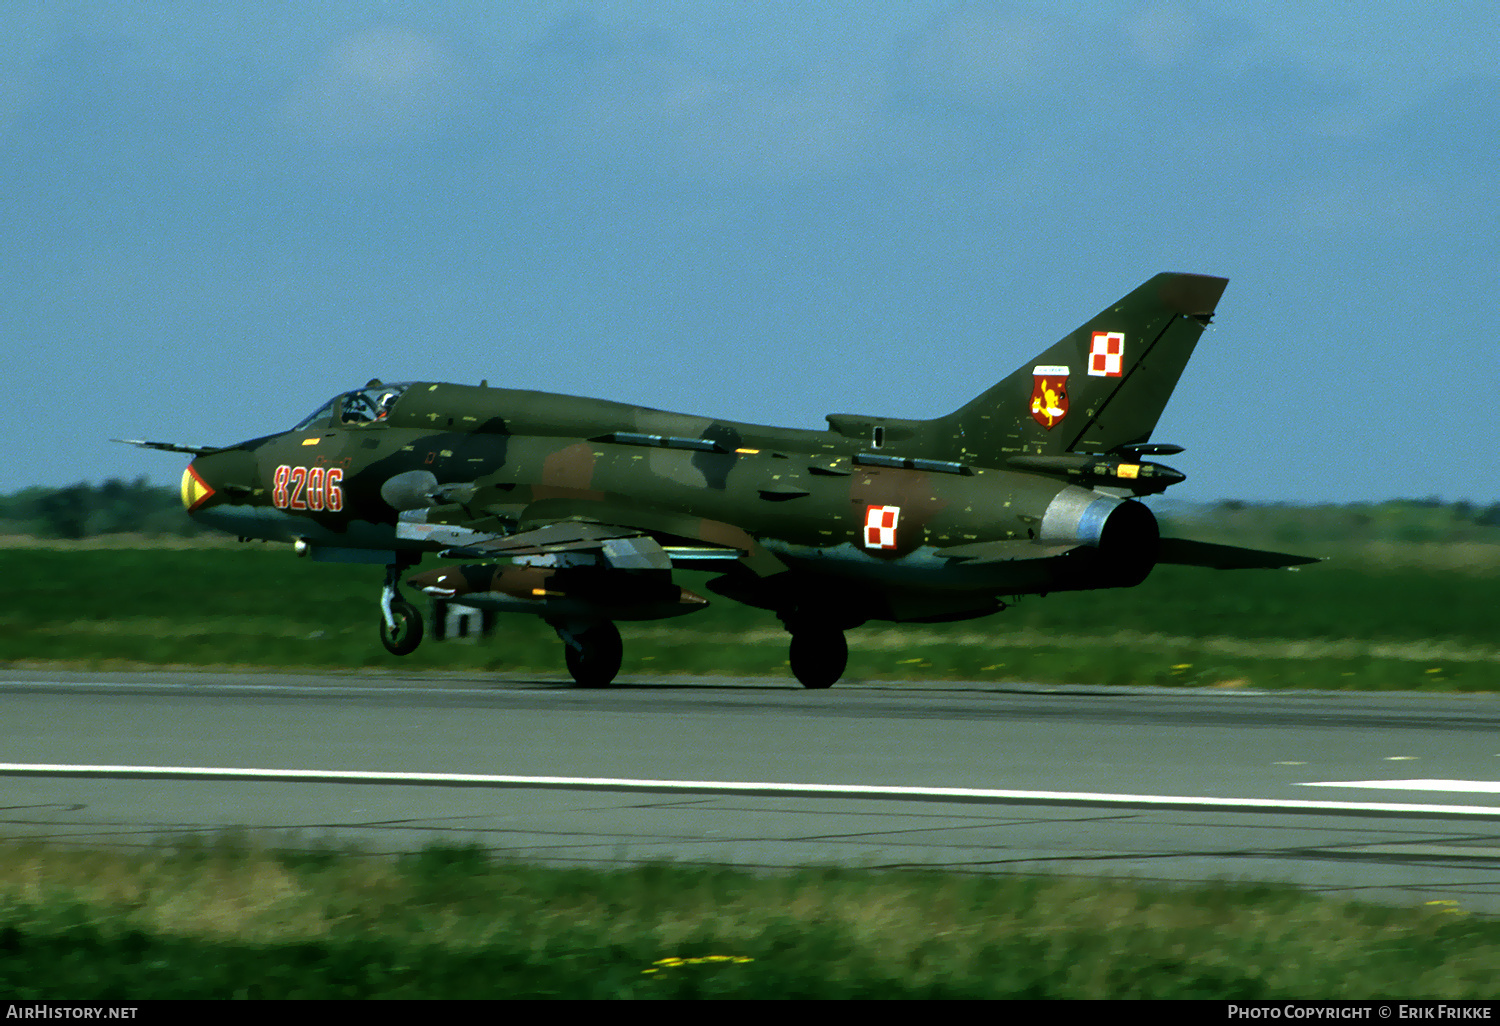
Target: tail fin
pixel 1103 386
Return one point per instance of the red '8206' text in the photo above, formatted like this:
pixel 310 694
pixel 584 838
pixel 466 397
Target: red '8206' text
pixel 310 488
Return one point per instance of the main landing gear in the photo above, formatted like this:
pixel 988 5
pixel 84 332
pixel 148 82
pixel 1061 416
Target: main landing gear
pixel 818 654
pixel 400 621
pixel 592 649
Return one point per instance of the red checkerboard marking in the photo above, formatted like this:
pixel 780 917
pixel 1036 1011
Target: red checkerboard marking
pixel 880 526
pixel 1107 354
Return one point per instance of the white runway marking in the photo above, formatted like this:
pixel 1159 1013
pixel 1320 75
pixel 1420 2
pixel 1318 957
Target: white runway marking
pixel 758 788
pixel 1468 786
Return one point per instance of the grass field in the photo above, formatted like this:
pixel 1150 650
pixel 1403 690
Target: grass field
pixel 227 920
pixel 1383 615
pixel 230 919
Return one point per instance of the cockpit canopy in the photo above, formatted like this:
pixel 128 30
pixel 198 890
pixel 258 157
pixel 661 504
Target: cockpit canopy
pixel 369 405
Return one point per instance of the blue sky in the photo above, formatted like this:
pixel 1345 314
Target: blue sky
pixel 215 216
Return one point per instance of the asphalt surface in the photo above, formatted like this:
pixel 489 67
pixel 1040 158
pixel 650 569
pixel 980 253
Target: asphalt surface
pixel 1390 797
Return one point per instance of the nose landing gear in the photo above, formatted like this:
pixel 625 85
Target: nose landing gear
pixel 400 621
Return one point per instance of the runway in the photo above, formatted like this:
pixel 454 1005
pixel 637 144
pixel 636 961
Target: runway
pixel 1376 796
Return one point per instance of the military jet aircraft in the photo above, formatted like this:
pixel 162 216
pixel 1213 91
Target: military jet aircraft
pixel 579 510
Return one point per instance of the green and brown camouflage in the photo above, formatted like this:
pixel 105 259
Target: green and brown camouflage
pixel 578 510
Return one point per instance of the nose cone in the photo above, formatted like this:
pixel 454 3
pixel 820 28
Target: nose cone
pixel 195 489
pixel 217 478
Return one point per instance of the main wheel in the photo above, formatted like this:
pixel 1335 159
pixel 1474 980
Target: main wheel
pixel 818 656
pixel 595 664
pixel 408 633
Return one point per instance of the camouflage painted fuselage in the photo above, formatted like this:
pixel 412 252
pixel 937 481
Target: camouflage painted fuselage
pixel 804 512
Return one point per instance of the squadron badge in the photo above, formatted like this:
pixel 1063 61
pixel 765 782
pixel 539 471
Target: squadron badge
pixel 1049 395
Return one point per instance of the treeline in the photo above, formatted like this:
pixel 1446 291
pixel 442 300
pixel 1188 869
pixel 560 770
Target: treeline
pixel 86 510
pixel 1393 521
pixel 1430 510
pixel 1462 511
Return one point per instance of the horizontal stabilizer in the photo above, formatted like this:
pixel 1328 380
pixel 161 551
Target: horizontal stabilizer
pixel 1186 552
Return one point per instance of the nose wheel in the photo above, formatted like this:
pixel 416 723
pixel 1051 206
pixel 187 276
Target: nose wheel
pixel 400 621
pixel 403 633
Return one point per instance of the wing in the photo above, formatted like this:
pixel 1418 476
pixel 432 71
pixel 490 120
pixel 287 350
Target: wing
pixel 613 533
pixel 191 450
pixel 620 548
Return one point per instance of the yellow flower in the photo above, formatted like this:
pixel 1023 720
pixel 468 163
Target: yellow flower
pixel 674 961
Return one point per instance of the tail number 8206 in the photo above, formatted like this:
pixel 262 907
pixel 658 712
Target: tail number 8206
pixel 310 488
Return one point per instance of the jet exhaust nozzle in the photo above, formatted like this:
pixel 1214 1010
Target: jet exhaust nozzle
pixel 1123 533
